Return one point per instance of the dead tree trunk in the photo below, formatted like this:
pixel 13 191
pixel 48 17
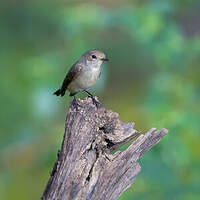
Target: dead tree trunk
pixel 85 168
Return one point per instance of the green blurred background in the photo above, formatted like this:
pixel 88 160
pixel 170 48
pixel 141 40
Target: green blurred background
pixel 152 79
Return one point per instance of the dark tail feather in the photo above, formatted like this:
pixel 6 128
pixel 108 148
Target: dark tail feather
pixel 59 92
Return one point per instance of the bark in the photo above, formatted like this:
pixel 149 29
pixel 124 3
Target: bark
pixel 85 168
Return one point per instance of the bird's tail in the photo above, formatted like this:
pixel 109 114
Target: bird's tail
pixel 59 92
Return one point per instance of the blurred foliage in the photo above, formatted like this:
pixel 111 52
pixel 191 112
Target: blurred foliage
pixel 152 79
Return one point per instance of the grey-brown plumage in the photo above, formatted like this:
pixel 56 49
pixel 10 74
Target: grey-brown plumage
pixel 83 74
pixel 71 75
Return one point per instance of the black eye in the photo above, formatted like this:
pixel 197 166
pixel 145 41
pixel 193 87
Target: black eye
pixel 94 57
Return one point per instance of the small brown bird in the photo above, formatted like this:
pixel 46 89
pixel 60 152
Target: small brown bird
pixel 83 74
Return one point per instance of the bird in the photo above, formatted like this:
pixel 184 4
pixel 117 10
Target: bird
pixel 82 75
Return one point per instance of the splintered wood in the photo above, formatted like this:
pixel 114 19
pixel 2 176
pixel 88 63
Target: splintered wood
pixel 85 168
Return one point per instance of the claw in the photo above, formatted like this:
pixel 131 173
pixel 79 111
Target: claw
pixel 75 104
pixel 97 103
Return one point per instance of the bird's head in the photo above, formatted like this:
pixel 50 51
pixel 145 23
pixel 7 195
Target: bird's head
pixel 94 57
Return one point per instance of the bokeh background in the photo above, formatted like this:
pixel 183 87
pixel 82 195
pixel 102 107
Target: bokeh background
pixel 153 79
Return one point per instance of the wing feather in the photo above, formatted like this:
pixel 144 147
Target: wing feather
pixel 71 75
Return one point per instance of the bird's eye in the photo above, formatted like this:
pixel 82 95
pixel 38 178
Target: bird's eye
pixel 94 57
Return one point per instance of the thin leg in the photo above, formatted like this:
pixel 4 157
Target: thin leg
pixel 97 104
pixel 89 93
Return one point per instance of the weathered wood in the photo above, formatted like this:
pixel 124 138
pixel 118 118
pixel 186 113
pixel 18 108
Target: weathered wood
pixel 85 168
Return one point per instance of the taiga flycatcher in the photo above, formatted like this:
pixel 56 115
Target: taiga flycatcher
pixel 83 74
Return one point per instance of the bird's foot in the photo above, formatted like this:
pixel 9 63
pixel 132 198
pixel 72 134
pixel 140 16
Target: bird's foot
pixel 75 104
pixel 96 103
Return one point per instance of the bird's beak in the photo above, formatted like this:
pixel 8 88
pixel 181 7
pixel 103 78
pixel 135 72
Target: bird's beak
pixel 105 59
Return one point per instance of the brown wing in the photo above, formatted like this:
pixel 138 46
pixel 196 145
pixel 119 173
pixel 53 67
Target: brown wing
pixel 71 75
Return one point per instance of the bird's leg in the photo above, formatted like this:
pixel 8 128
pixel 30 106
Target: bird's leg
pixel 97 103
pixel 89 94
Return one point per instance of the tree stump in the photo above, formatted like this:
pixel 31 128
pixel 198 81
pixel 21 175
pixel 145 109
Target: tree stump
pixel 85 168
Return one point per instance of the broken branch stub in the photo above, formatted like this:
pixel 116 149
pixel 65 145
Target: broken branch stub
pixel 85 168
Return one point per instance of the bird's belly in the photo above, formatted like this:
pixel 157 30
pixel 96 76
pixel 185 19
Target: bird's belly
pixel 88 79
pixel 84 80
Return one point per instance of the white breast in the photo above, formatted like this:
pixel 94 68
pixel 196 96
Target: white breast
pixel 89 77
pixel 86 79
